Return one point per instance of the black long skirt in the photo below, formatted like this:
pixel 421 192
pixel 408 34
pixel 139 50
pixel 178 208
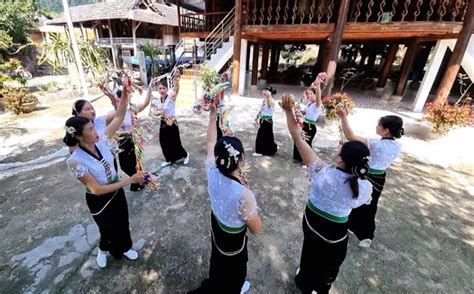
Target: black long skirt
pixel 226 273
pixel 110 213
pixel 265 142
pixel 128 159
pixel 310 131
pixel 170 142
pixel 320 260
pixel 362 219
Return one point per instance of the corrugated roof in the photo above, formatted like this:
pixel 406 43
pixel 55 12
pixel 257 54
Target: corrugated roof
pixel 122 9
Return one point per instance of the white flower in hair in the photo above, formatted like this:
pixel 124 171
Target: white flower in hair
pixel 232 151
pixel 363 171
pixel 70 130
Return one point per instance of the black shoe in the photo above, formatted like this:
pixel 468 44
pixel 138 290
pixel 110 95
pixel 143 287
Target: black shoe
pixel 136 187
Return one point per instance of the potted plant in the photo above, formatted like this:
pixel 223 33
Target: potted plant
pixel 18 100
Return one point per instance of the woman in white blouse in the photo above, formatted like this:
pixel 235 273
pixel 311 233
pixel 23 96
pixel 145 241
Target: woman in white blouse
pixel 384 151
pixel 335 191
pixel 126 156
pixel 233 211
pixel 311 113
pixel 265 141
pixel 164 109
pixel 92 163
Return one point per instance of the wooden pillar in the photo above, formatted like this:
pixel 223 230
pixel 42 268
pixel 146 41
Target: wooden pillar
pixel 387 65
pixel 112 47
pixel 83 32
pixel 237 44
pixel 407 65
pixel 256 51
pixel 454 63
pixel 322 58
pixel 178 6
pixel 336 45
pixel 264 67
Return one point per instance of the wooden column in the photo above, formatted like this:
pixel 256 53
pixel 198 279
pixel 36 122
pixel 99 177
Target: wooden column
pixel 322 58
pixel 256 50
pixel 336 45
pixel 237 44
pixel 387 65
pixel 407 65
pixel 455 60
pixel 264 67
pixel 112 47
pixel 178 6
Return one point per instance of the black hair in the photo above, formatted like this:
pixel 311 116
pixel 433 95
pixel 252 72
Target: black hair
pixel 77 106
pixel 394 124
pixel 355 155
pixel 225 162
pixel 75 125
pixel 163 82
pixel 270 89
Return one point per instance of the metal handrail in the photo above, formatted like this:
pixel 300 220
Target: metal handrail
pixel 221 33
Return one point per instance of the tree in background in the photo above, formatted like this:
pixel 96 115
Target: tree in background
pixel 17 19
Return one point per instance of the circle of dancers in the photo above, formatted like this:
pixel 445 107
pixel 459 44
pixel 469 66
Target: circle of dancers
pixel 343 195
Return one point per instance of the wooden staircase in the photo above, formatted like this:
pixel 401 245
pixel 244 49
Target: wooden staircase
pixel 186 87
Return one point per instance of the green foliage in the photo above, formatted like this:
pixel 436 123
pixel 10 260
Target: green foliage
pixel 8 72
pixel 5 40
pixel 152 52
pixel 15 99
pixel 17 18
pixel 58 51
pixel 292 53
pixel 208 77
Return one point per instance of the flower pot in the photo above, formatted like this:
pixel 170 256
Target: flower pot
pixel 29 107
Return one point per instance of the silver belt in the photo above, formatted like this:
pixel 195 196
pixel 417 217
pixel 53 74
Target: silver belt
pixel 233 253
pixel 320 236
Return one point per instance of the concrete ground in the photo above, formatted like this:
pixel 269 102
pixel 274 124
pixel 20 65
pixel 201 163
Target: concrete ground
pixel 425 231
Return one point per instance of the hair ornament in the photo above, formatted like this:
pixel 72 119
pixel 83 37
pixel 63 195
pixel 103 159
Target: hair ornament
pixel 70 130
pixel 232 151
pixel 363 171
pixel 222 161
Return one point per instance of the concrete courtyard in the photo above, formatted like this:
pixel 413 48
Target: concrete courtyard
pixel 425 230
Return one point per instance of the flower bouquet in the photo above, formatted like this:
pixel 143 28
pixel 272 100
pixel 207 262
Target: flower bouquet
pixel 337 100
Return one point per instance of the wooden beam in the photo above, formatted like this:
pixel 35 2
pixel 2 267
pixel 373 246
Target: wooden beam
pixel 387 65
pixel 264 67
pixel 455 60
pixel 354 31
pixel 407 65
pixel 335 46
pixel 256 51
pixel 237 45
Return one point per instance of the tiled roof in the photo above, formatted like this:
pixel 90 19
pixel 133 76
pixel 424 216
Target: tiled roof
pixel 122 9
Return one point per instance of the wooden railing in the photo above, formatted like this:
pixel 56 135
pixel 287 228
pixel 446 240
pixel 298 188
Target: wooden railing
pixel 407 10
pixel 294 12
pixel 200 22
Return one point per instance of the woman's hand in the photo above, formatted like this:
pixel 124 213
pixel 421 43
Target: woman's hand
pixel 341 111
pixel 287 102
pixel 137 178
